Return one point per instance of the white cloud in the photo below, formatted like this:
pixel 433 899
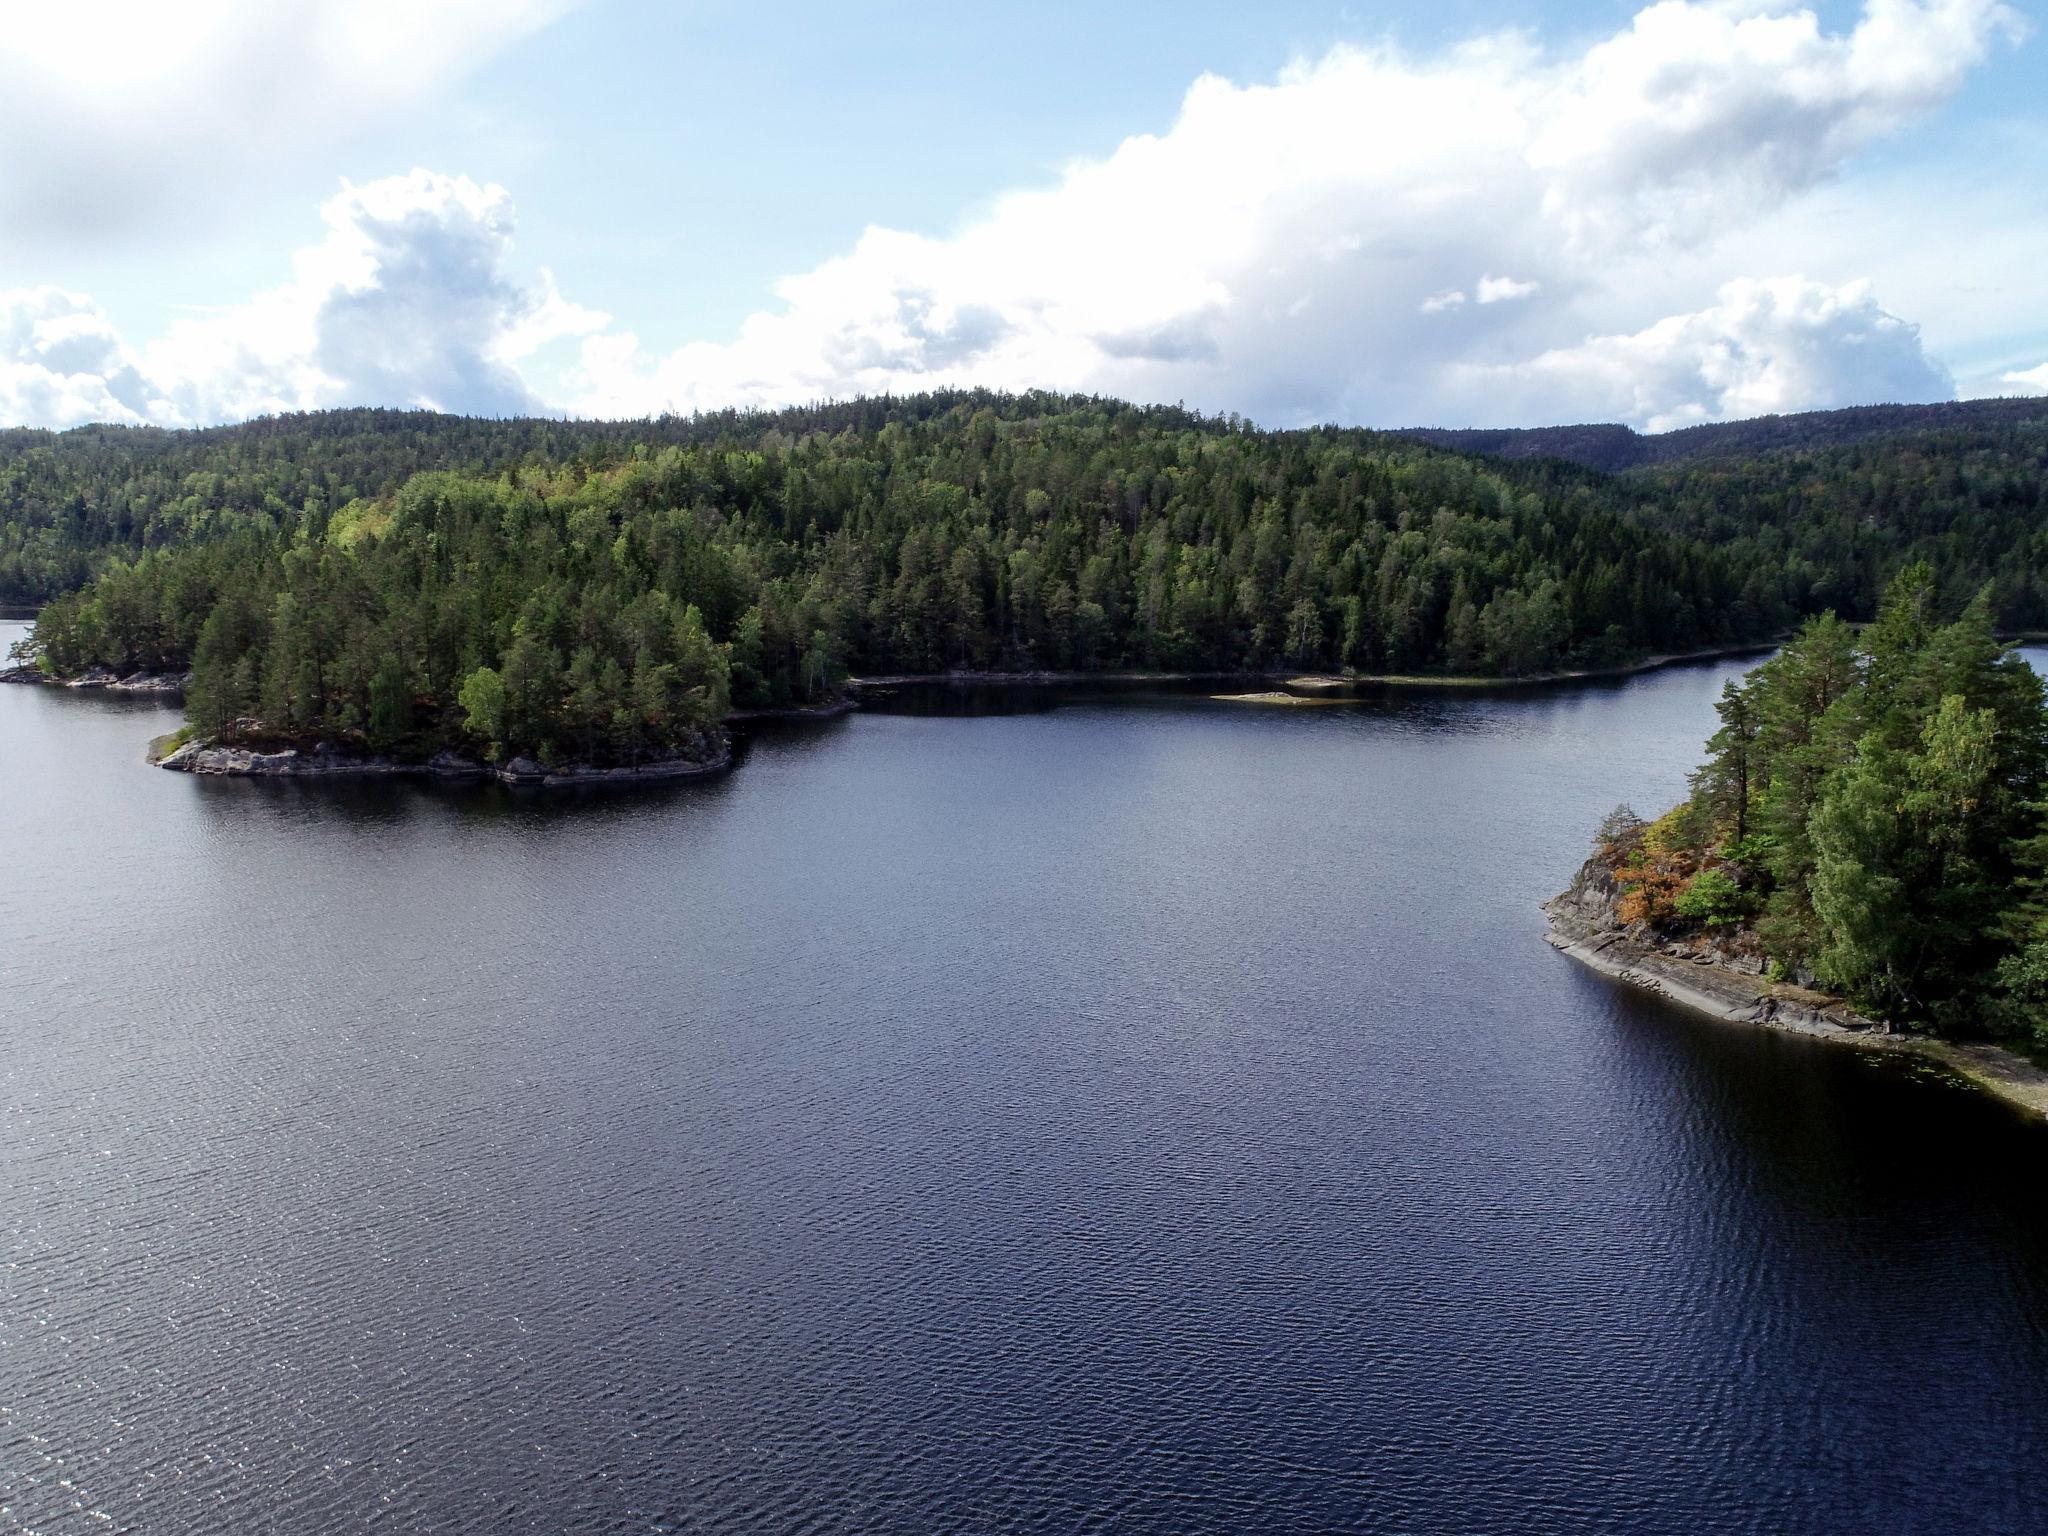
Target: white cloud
pixel 61 364
pixel 1785 344
pixel 118 111
pixel 407 301
pixel 1499 290
pixel 2028 378
pixel 1976 296
pixel 1698 110
pixel 1488 290
pixel 1283 248
pixel 1373 236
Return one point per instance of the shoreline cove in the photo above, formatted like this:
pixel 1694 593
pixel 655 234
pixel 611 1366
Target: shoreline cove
pixel 324 761
pixel 1326 686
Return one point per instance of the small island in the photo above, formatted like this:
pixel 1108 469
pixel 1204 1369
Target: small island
pixel 657 731
pixel 1863 855
pixel 417 636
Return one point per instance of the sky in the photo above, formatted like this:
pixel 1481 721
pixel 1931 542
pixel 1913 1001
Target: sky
pixel 1439 213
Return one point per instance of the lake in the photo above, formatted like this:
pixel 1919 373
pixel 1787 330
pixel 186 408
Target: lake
pixel 1124 1112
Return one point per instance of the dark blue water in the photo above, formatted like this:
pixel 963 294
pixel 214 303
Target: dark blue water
pixel 1141 1115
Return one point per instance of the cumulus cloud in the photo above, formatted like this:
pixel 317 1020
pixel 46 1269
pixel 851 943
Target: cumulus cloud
pixel 117 111
pixel 1499 290
pixel 406 301
pixel 1488 290
pixel 1785 344
pixel 62 364
pixel 1696 110
pixel 2031 379
pixel 1283 248
pixel 1372 236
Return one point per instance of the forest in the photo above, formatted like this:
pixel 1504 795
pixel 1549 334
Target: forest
pixel 600 590
pixel 614 597
pixel 1870 816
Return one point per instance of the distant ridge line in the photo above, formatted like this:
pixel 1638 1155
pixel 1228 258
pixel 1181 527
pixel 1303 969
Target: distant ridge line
pixel 1611 446
pixel 494 442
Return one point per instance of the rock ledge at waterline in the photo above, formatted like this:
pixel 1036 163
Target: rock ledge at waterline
pixel 1713 978
pixel 328 761
pixel 170 684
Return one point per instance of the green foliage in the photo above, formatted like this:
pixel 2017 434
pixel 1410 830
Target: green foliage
pixel 1884 792
pixel 483 707
pixel 1679 830
pixel 1962 488
pixel 1723 789
pixel 390 703
pixel 1754 853
pixel 1712 897
pixel 2019 1000
pixel 1859 884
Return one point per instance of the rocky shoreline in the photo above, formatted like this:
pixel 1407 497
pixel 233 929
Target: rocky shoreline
pixel 327 761
pixel 1716 976
pixel 165 684
pixel 831 709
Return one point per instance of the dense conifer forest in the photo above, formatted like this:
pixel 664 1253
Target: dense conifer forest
pixel 601 590
pixel 1870 815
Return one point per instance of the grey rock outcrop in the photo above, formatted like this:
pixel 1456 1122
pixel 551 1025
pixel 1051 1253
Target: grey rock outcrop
pixel 169 684
pixel 1720 971
pixel 329 760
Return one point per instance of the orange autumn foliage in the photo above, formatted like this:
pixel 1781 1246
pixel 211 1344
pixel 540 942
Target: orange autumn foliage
pixel 1652 869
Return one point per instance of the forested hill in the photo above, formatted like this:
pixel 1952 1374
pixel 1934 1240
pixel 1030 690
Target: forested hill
pixel 565 594
pixel 1610 446
pixel 1834 503
pixel 68 499
pixel 364 571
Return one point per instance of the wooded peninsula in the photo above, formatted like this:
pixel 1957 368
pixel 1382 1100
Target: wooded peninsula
pixel 1870 819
